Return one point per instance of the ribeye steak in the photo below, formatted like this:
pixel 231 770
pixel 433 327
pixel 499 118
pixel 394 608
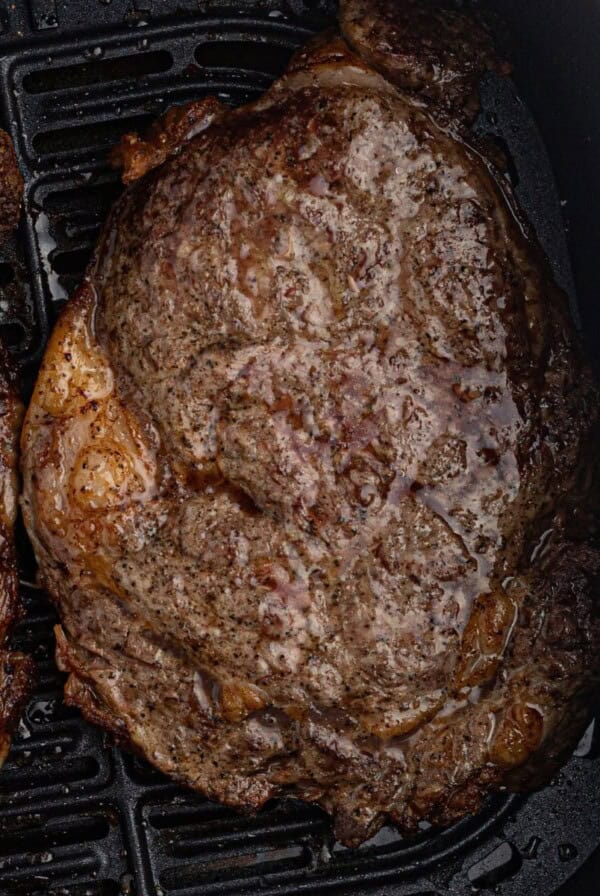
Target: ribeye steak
pixel 308 464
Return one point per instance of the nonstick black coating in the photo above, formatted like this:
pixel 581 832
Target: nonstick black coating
pixel 554 48
pixel 77 816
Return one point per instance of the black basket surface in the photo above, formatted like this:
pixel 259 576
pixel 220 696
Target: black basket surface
pixel 77 816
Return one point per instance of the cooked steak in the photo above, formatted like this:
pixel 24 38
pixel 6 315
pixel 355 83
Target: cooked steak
pixel 308 465
pixel 11 187
pixel 423 48
pixel 15 668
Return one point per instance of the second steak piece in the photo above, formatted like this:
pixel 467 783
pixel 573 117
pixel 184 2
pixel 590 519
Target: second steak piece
pixel 16 669
pixel 308 464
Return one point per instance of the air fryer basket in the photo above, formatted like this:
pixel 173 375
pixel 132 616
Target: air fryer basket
pixel 76 815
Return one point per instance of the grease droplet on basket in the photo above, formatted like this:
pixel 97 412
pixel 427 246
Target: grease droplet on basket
pixel 23 730
pixel 126 884
pixel 532 847
pixel 324 854
pixel 585 747
pixel 567 852
pixel 42 711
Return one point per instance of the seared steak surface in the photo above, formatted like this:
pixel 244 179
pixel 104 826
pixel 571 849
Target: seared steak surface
pixel 15 668
pixel 307 468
